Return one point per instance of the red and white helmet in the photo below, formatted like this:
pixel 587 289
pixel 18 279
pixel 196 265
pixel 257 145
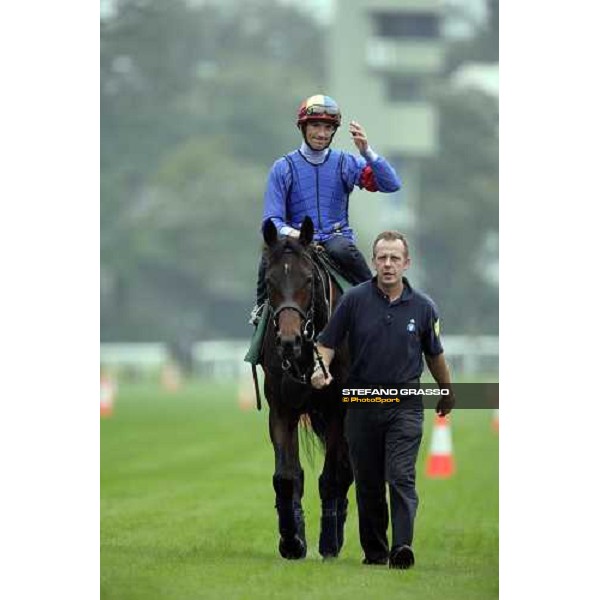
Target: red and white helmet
pixel 319 108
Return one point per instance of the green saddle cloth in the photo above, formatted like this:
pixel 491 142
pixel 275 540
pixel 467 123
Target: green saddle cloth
pixel 253 354
pixel 340 280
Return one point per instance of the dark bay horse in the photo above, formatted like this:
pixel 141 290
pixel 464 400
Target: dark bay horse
pixel 301 297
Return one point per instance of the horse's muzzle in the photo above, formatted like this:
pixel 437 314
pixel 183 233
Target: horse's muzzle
pixel 289 346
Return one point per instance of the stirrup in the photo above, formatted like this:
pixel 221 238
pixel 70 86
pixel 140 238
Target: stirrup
pixel 256 314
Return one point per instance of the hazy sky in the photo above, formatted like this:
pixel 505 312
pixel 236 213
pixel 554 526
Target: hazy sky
pixel 323 9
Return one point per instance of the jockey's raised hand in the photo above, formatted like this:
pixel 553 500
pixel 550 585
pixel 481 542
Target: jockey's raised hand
pixel 359 137
pixel 290 232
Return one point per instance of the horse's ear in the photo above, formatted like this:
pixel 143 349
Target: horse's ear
pixel 307 231
pixel 269 232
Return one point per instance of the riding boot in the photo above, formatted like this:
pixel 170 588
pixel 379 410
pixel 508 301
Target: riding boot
pixel 261 292
pixel 291 546
pixel 342 513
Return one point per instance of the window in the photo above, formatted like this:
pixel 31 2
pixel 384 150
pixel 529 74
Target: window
pixel 406 25
pixel 404 88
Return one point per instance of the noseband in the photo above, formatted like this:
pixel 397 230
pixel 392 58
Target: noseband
pixel 307 324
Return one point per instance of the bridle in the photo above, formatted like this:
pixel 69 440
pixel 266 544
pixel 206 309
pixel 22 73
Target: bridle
pixel 308 331
pixel 307 322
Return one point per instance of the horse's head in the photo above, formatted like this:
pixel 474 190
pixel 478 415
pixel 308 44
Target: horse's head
pixel 289 284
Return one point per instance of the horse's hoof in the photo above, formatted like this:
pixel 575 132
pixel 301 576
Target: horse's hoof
pixel 328 542
pixel 329 557
pixel 292 549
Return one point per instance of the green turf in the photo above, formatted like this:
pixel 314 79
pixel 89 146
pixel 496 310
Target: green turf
pixel 188 510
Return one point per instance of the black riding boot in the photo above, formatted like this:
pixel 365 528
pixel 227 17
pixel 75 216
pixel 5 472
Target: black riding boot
pixel 261 281
pixel 291 546
pixel 261 292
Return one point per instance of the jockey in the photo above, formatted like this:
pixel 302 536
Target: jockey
pixel 317 181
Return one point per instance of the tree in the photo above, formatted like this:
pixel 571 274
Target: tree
pixel 190 126
pixel 483 46
pixel 460 212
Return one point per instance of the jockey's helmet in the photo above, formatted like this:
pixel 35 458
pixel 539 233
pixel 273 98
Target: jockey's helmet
pixel 319 108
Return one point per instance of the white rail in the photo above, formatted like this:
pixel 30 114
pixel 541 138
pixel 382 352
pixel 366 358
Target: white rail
pixel 225 358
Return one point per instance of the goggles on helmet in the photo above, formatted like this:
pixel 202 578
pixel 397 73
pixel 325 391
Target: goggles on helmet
pixel 319 108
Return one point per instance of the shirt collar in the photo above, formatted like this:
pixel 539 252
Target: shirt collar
pixel 316 157
pixel 407 291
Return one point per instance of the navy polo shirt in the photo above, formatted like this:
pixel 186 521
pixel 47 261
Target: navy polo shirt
pixel 386 339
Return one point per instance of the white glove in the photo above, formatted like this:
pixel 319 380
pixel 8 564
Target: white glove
pixel 290 232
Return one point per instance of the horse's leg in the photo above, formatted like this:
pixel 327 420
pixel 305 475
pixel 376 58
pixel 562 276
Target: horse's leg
pixel 334 482
pixel 328 541
pixel 344 480
pixel 298 511
pixel 288 482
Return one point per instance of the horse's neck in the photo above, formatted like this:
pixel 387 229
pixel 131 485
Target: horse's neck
pixel 322 295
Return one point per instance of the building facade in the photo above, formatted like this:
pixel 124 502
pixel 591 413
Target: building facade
pixel 384 57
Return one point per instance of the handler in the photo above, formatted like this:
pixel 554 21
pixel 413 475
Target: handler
pixel 317 181
pixel 390 326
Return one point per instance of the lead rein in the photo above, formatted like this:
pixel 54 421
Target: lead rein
pixel 320 361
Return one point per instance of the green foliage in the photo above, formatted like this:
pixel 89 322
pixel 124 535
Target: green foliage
pixel 199 205
pixel 194 106
pixel 459 233
pixel 483 46
pixel 197 100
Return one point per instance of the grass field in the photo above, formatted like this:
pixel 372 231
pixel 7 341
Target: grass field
pixel 187 509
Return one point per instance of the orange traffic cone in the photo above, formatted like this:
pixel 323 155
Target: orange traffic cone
pixel 440 462
pixel 170 378
pixel 108 392
pixel 495 421
pixel 246 399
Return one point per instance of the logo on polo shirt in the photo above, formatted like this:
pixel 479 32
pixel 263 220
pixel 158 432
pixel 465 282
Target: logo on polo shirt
pixel 411 327
pixel 436 328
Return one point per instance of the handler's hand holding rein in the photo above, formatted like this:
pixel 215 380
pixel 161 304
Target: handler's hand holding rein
pixel 318 379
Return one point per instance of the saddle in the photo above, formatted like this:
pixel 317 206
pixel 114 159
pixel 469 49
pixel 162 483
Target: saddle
pixel 332 268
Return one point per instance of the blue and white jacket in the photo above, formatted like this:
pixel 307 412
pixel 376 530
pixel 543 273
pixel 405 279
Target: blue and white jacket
pixel 297 187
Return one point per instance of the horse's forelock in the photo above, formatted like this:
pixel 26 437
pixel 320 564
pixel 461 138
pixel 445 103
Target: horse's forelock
pixel 286 246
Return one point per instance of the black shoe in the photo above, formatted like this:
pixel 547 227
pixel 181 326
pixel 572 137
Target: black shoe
pixel 402 557
pixel 374 561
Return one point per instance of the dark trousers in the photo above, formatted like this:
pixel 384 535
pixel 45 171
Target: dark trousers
pixel 384 444
pixel 352 263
